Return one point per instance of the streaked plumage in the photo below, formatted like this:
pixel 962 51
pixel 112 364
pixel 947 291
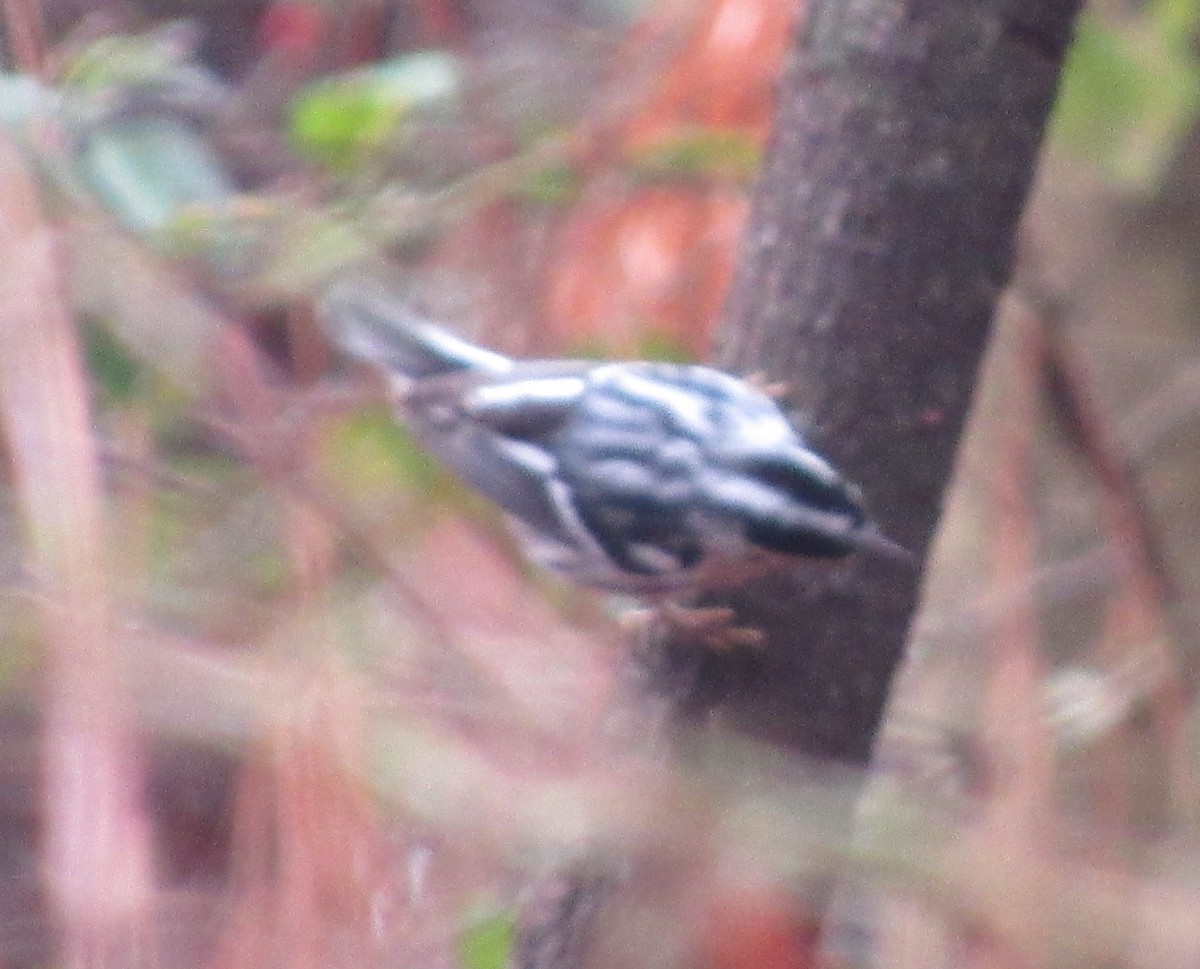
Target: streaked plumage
pixel 645 478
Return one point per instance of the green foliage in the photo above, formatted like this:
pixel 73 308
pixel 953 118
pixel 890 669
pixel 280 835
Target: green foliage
pixel 369 453
pixel 117 373
pixel 147 169
pixel 652 345
pixel 1131 90
pixel 554 185
pixel 656 345
pixel 701 153
pixel 122 60
pixel 486 943
pixel 339 121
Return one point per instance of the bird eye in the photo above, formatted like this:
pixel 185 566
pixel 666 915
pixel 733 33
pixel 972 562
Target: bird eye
pixel 806 478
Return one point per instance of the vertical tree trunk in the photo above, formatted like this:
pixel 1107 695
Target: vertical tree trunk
pixel 882 234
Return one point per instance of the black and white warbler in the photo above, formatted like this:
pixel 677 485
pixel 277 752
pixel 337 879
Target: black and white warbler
pixel 641 478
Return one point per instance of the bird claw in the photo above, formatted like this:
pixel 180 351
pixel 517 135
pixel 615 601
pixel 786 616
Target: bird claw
pixel 709 627
pixel 775 389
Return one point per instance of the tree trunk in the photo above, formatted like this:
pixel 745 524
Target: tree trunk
pixel 882 235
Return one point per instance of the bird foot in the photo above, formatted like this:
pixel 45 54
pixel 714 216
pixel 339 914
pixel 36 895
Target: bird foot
pixel 709 627
pixel 775 389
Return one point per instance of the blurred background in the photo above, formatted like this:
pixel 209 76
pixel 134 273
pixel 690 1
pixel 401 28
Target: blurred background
pixel 275 690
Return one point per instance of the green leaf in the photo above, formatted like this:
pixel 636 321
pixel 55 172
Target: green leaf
pixel 655 345
pixel 1128 97
pixel 553 185
pixel 148 169
pixel 121 60
pixel 370 455
pixel 117 373
pixel 340 120
pixel 1175 21
pixel 487 942
pixel 651 345
pixel 701 152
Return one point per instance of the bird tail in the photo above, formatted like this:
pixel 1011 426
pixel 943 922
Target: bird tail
pixel 367 321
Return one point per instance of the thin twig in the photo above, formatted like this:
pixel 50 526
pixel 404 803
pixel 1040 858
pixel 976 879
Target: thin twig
pixel 26 34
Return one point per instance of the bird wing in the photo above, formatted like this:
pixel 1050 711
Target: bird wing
pixel 499 434
pixel 629 462
pixel 614 470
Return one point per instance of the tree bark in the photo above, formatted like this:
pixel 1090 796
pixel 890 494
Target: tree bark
pixel 881 237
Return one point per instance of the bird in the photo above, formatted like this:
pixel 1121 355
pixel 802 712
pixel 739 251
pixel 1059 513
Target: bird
pixel 642 478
